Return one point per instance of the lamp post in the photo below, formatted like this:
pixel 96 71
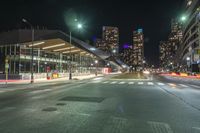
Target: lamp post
pixel 96 62
pixel 32 40
pixel 79 26
pixel 188 63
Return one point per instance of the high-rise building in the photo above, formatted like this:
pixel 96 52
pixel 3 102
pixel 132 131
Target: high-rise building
pixel 128 55
pixel 168 49
pixel 188 54
pixel 138 47
pixel 176 30
pixel 101 44
pixel 111 38
pixel 165 55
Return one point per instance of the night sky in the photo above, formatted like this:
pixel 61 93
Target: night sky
pixel 152 15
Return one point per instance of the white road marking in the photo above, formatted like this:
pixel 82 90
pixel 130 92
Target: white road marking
pixel 2 91
pixel 29 110
pixel 160 127
pixel 105 82
pixel 94 82
pixel 195 86
pixel 172 85
pixel 121 82
pixel 113 82
pixel 7 109
pixel 161 84
pixel 182 85
pixel 196 128
pixel 40 91
pixel 150 83
pixel 116 125
pixel 140 83
pixel 37 97
pixel 131 83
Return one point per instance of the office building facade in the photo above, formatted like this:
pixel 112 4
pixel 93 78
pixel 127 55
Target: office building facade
pixel 138 48
pixel 189 52
pixel 110 36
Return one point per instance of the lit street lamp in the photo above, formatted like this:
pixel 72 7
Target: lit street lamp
pixel 96 62
pixel 188 58
pixel 183 18
pixel 188 62
pixel 79 26
pixel 32 40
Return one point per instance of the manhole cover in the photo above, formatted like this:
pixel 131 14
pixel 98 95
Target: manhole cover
pixel 50 109
pixel 83 99
pixel 60 104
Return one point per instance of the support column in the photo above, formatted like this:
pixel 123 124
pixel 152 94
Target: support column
pixel 14 59
pixel 60 62
pixel 38 59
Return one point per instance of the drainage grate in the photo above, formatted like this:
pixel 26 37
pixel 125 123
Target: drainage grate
pixel 83 99
pixel 50 109
pixel 60 104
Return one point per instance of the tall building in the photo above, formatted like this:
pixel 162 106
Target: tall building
pixel 176 30
pixel 189 52
pixel 138 48
pixel 168 49
pixel 111 38
pixel 128 55
pixel 101 44
pixel 165 55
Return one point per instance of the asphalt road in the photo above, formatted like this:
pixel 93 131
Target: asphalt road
pixel 102 105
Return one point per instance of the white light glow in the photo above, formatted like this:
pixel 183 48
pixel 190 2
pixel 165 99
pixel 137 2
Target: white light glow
pixel 36 44
pixel 92 49
pixel 80 26
pixel 83 52
pixel 53 46
pixel 188 59
pixel 63 49
pixel 146 72
pixel 71 51
pixel 96 61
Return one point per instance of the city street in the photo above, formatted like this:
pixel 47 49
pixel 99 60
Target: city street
pixel 102 105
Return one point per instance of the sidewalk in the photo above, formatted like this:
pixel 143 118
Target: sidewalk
pixel 20 85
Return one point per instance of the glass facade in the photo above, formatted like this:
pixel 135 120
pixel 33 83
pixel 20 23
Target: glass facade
pixel 19 57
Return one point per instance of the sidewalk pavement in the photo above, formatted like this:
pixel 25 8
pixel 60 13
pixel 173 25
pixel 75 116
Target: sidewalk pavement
pixel 20 85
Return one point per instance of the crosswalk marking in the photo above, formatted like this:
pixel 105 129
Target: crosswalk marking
pixel 40 91
pixel 2 91
pixel 161 84
pixel 140 83
pixel 105 82
pixel 182 85
pixel 150 83
pixel 131 83
pixel 113 82
pixel 195 86
pixel 197 129
pixel 121 82
pixel 172 85
pixel 160 127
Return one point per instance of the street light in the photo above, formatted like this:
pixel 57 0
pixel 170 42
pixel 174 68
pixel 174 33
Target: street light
pixel 96 62
pixel 188 58
pixel 32 40
pixel 114 51
pixel 183 18
pixel 79 26
pixel 188 63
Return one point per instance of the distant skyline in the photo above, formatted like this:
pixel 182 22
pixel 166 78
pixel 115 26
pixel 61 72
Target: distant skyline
pixel 153 17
